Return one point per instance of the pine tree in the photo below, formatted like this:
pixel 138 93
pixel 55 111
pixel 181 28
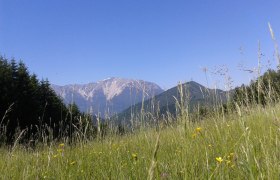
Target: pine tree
pixel 35 106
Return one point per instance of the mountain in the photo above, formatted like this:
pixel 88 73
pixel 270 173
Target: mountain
pixel 194 94
pixel 109 96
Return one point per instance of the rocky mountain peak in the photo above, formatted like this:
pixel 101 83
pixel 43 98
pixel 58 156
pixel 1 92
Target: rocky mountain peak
pixel 113 93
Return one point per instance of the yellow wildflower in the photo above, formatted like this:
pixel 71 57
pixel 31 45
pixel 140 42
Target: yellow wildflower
pixel 135 156
pixel 61 145
pixel 194 135
pixel 198 130
pixel 219 159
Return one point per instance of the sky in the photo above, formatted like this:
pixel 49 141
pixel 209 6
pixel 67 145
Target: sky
pixel 162 41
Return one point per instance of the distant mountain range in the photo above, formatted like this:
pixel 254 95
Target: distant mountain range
pixel 194 94
pixel 109 96
pixel 124 99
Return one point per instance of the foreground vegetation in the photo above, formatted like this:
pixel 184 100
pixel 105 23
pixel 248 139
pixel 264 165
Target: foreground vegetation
pixel 242 145
pixel 236 140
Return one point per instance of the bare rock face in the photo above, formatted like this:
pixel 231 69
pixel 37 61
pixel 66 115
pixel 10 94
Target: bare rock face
pixel 109 96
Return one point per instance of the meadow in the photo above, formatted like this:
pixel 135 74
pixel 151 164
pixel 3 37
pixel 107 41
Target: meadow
pixel 243 144
pixel 237 140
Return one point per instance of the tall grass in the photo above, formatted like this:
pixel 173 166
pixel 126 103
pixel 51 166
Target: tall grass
pixel 240 140
pixel 242 147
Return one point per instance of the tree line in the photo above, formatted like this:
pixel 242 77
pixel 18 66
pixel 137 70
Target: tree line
pixel 30 106
pixel 31 109
pixel 264 90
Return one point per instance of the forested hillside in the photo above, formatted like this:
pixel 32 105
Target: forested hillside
pixel 29 107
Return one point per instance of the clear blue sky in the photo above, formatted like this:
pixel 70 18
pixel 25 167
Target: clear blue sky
pixel 164 41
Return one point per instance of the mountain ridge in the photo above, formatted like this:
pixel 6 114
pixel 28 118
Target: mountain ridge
pixel 108 96
pixel 194 94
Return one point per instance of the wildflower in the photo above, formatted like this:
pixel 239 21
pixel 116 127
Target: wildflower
pixel 219 159
pixel 60 149
pixel 198 130
pixel 210 145
pixel 194 135
pixel 61 145
pixel 135 156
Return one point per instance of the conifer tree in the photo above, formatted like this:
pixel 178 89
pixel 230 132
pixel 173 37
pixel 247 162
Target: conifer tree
pixel 34 106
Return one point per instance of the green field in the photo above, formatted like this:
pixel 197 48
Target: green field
pixel 243 145
pixel 59 120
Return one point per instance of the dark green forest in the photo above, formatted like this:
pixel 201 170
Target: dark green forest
pixel 264 90
pixel 29 107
